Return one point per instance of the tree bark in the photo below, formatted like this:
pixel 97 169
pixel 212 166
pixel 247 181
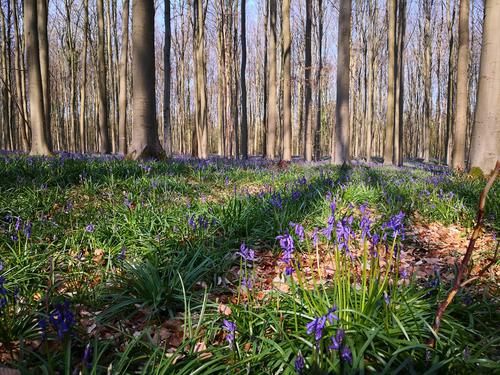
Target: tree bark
pixel 272 96
pixel 39 144
pixel 122 101
pixel 458 156
pixel 104 142
pixel 391 85
pixel 145 142
pixel 340 154
pixel 287 82
pixel 167 127
pixel 485 143
pixel 308 141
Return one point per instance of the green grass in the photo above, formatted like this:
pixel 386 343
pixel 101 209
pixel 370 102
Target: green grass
pixel 164 238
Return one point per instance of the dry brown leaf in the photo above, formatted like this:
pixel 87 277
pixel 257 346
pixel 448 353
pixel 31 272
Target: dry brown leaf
pixel 224 309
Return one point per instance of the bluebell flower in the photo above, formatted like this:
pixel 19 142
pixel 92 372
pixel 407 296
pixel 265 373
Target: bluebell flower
pixel 122 254
pixel 230 327
pixel 314 236
pixel 300 363
pixel 247 254
pixel 337 340
pixel 90 228
pixel 396 225
pixel 299 231
pixel 316 327
pixel 346 354
pixel 87 356
pixel 247 283
pixel 62 319
pixel 387 298
pixel 331 316
pixel 27 229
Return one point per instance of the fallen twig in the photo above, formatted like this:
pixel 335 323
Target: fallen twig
pixel 465 261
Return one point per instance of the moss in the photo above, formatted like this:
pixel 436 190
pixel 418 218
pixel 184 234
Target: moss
pixel 476 173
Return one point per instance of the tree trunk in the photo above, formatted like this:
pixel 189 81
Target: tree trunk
pixel 458 156
pixel 391 85
pixel 317 133
pixel 287 83
pixel 340 152
pixel 167 127
pixel 42 15
pixel 122 115
pixel 104 143
pixel 272 97
pixel 145 143
pixel 308 141
pixel 485 144
pixel 39 144
pixel 244 124
pixel 427 4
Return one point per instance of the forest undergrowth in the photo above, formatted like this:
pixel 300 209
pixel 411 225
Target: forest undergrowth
pixel 242 267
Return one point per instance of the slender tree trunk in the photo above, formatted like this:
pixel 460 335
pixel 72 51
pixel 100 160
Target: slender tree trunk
pixel 340 154
pixel 167 131
pixel 427 4
pixel 371 71
pixel 317 133
pixel 391 83
pixel 244 123
pixel 287 82
pixel 39 144
pixel 450 84
pixel 272 104
pixel 308 141
pixel 485 144
pixel 400 95
pixel 458 156
pixel 104 142
pixel 42 15
pixel 122 102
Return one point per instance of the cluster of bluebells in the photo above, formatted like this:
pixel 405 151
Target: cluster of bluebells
pixel 300 364
pixel 199 222
pixel 287 245
pixel 395 226
pixel 230 328
pixel 317 326
pixel 61 319
pixel 18 227
pixel 247 254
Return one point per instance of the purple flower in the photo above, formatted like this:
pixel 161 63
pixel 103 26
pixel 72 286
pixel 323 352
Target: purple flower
pixel 314 236
pixel 87 356
pixel 286 244
pixel 247 283
pixel 344 233
pixel 396 225
pixel 316 327
pixel 337 340
pixel 289 270
pixel 122 254
pixel 276 201
pixel 246 253
pixel 62 319
pixel 230 327
pixel 300 363
pixel 299 231
pixel 327 232
pixel 346 354
pixel 27 229
pixel 331 316
pixel 387 298
pixel 90 228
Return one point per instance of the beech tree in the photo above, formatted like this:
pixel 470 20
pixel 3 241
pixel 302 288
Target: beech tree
pixel 145 142
pixel 485 145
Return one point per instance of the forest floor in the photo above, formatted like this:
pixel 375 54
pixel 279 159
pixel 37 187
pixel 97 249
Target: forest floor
pixel 220 266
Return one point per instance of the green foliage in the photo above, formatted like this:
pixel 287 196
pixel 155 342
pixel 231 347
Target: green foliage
pixel 163 238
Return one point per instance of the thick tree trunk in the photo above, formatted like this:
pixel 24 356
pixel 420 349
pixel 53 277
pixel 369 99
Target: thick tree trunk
pixel 287 83
pixel 145 143
pixel 485 144
pixel 341 152
pixel 458 156
pixel 244 123
pixel 39 144
pixel 83 89
pixel 427 4
pixel 391 85
pixel 122 100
